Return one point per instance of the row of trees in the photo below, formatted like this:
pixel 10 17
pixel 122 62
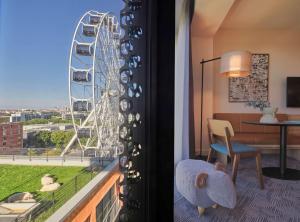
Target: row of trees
pixel 46 121
pixel 4 119
pixel 44 139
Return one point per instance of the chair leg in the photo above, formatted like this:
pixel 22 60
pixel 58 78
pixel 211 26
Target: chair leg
pixel 236 161
pixel 259 171
pixel 210 152
pixel 201 210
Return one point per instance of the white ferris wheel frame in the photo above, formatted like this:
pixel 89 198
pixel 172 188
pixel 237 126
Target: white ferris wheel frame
pixel 95 104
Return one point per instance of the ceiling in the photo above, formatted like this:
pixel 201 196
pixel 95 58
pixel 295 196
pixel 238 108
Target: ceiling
pixel 212 15
pixel 208 16
pixel 263 14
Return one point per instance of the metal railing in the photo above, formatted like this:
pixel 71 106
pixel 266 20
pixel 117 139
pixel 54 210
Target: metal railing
pixel 45 158
pixel 113 211
pixel 53 160
pixel 76 205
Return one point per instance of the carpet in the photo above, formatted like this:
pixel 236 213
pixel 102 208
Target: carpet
pixel 278 202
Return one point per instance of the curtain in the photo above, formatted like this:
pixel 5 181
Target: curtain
pixel 182 81
pixel 191 88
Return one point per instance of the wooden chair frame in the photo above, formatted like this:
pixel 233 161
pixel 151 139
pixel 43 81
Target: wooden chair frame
pixel 226 137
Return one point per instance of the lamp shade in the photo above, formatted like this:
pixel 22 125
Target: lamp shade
pixel 235 64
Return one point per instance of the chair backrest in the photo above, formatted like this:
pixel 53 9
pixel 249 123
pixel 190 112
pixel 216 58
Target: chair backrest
pixel 217 127
pixel 221 129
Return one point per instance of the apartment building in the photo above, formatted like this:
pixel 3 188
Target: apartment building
pixel 11 138
pixel 25 116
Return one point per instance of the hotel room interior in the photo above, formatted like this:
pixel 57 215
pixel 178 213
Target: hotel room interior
pixel 237 111
pixel 209 113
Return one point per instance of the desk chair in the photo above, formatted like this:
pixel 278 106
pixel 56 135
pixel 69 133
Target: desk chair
pixel 220 133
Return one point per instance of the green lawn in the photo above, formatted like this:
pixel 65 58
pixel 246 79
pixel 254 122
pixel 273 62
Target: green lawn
pixel 14 178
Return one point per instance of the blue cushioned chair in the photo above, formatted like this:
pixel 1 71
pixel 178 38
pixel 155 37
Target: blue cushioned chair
pixel 220 133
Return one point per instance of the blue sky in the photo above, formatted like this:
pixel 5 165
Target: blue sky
pixel 35 39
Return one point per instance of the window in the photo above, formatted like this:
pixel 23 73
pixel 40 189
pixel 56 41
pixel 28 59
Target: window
pixel 149 64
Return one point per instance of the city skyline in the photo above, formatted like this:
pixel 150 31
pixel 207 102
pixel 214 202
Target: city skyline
pixel 35 40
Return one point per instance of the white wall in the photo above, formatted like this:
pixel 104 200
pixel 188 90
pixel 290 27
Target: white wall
pixel 284 49
pixel 207 19
pixel 202 48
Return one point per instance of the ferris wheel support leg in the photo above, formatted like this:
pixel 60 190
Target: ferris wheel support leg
pixel 69 145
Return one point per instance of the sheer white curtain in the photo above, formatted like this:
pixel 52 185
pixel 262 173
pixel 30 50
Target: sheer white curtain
pixel 181 140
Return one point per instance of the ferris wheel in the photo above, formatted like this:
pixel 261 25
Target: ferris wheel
pixel 94 88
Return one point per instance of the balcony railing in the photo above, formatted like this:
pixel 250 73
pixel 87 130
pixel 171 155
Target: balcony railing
pixel 113 211
pixel 45 160
pixel 73 208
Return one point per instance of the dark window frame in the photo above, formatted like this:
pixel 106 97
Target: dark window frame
pixel 161 44
pixel 156 191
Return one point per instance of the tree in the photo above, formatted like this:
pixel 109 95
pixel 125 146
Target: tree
pixel 35 121
pixel 58 139
pixel 68 137
pixel 61 138
pixel 43 139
